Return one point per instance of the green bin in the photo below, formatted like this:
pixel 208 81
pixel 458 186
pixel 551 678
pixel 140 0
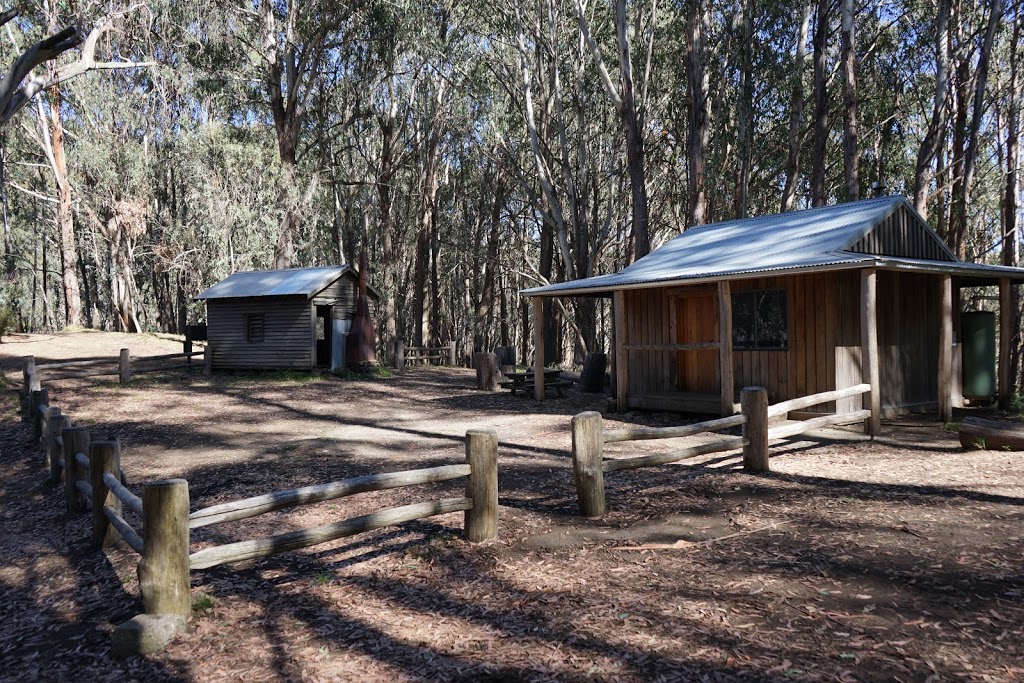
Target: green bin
pixel 978 346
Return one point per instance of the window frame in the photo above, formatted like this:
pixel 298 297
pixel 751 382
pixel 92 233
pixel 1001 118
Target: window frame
pixel 754 333
pixel 249 319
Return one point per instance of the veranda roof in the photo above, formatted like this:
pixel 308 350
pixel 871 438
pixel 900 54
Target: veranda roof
pixel 815 239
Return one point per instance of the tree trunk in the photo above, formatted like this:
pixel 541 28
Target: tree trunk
pixel 634 138
pixel 1011 229
pixel 796 116
pixel 851 151
pixel 697 131
pixel 818 168
pixel 745 112
pixel 937 125
pixel 64 216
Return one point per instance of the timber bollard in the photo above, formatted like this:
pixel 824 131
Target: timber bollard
pixel 125 366
pixel 28 371
pixel 481 520
pixel 104 456
pixel 56 425
pixel 486 365
pixel 76 440
pixel 399 355
pixel 208 360
pixel 163 569
pixel 49 415
pixel 754 404
pixel 452 361
pixel 587 459
pixel 40 398
pixel 187 347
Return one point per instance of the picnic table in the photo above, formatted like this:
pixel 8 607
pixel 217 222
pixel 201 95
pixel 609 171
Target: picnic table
pixel 525 382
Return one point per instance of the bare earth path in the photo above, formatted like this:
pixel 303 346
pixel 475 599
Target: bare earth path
pixel 898 559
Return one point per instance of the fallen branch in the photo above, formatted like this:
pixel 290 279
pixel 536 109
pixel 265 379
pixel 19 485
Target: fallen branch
pixel 682 544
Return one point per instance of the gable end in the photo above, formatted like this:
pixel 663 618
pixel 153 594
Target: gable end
pixel 903 234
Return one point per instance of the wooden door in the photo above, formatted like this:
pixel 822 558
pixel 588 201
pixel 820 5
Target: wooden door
pixel 697 322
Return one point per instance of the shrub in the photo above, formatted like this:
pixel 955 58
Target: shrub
pixel 7 321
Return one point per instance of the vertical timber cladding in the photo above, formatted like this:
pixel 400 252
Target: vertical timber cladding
pixel 908 332
pixel 286 338
pixel 822 313
pixel 649 322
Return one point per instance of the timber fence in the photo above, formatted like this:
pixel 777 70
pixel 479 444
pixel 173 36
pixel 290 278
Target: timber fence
pixel 589 437
pixel 406 355
pixel 93 482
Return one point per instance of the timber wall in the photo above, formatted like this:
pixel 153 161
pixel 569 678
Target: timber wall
pixel 287 337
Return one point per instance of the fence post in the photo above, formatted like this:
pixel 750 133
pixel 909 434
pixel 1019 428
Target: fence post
pixel 482 486
pixel 754 405
pixel 76 440
pixel 587 459
pixel 451 354
pixel 399 355
pixel 104 456
pixel 208 360
pixel 28 368
pixel 163 569
pixel 40 398
pixel 187 346
pixel 55 426
pixel 49 415
pixel 125 366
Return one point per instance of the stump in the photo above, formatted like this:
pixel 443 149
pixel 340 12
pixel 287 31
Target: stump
pixel 486 365
pixel 993 435
pixel 592 377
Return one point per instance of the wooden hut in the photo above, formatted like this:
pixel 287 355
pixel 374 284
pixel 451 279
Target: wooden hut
pixel 799 303
pixel 293 318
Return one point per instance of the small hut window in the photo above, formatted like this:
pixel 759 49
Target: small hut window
pixel 759 320
pixel 254 327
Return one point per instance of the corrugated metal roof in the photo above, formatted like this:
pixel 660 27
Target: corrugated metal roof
pixel 797 240
pixel 282 282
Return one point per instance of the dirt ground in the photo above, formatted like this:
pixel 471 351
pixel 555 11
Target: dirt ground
pixel 898 559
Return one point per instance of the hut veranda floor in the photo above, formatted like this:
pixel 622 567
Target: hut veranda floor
pixel 853 561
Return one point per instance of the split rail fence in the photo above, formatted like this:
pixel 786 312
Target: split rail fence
pixel 405 355
pixel 589 437
pixel 94 482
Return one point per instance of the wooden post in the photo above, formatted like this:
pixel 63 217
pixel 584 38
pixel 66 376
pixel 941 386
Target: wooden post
pixel 486 365
pixel 621 362
pixel 538 348
pixel 587 459
pixel 126 366
pixel 187 345
pixel 56 425
pixel 399 355
pixel 28 370
pixel 754 404
pixel 1006 314
pixel 945 348
pixel 725 347
pixel 76 440
pixel 482 486
pixel 208 359
pixel 104 456
pixel 452 361
pixel 39 398
pixel 869 349
pixel 163 569
pixel 50 416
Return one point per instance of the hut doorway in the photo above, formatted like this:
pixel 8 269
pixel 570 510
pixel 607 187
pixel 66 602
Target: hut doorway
pixel 696 323
pixel 323 336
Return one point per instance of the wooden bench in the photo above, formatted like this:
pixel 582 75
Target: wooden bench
pixel 528 387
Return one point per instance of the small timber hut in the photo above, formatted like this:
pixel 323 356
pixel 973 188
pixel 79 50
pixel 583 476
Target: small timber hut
pixel 293 318
pixel 800 303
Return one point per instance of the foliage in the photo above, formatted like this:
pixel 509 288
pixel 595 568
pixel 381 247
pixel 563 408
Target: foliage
pixel 8 323
pixel 359 374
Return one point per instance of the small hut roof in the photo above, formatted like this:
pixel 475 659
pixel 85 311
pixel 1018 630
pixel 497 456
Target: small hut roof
pixel 281 282
pixel 823 238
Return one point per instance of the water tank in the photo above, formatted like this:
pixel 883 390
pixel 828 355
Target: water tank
pixel 978 342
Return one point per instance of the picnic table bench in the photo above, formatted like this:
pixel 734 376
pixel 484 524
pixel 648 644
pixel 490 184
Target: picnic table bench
pixel 525 382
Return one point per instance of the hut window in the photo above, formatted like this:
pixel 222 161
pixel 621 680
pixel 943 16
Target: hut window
pixel 254 327
pixel 759 320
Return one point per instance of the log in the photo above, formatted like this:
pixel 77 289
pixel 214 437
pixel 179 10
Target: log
pixel 164 567
pixel 38 403
pixel 123 494
pixel 452 355
pixel 28 368
pixel 272 545
pixel 588 462
pixel 258 505
pixel 486 365
pixel 784 407
pixel 55 424
pixel 125 366
pixel 869 349
pixel 81 374
pixel 730 444
pixel 104 457
pixel 399 355
pixel 481 520
pixel 128 534
pixel 754 404
pixel 592 377
pixel 538 346
pixel 993 435
pixel 647 433
pixel 725 364
pixel 82 363
pixel 76 442
pixel 783 431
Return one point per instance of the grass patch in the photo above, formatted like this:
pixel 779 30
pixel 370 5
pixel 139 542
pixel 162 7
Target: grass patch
pixel 202 602
pixel 951 426
pixel 374 372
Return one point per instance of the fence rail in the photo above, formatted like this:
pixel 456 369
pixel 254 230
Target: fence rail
pixel 94 481
pixel 589 437
pixel 409 354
